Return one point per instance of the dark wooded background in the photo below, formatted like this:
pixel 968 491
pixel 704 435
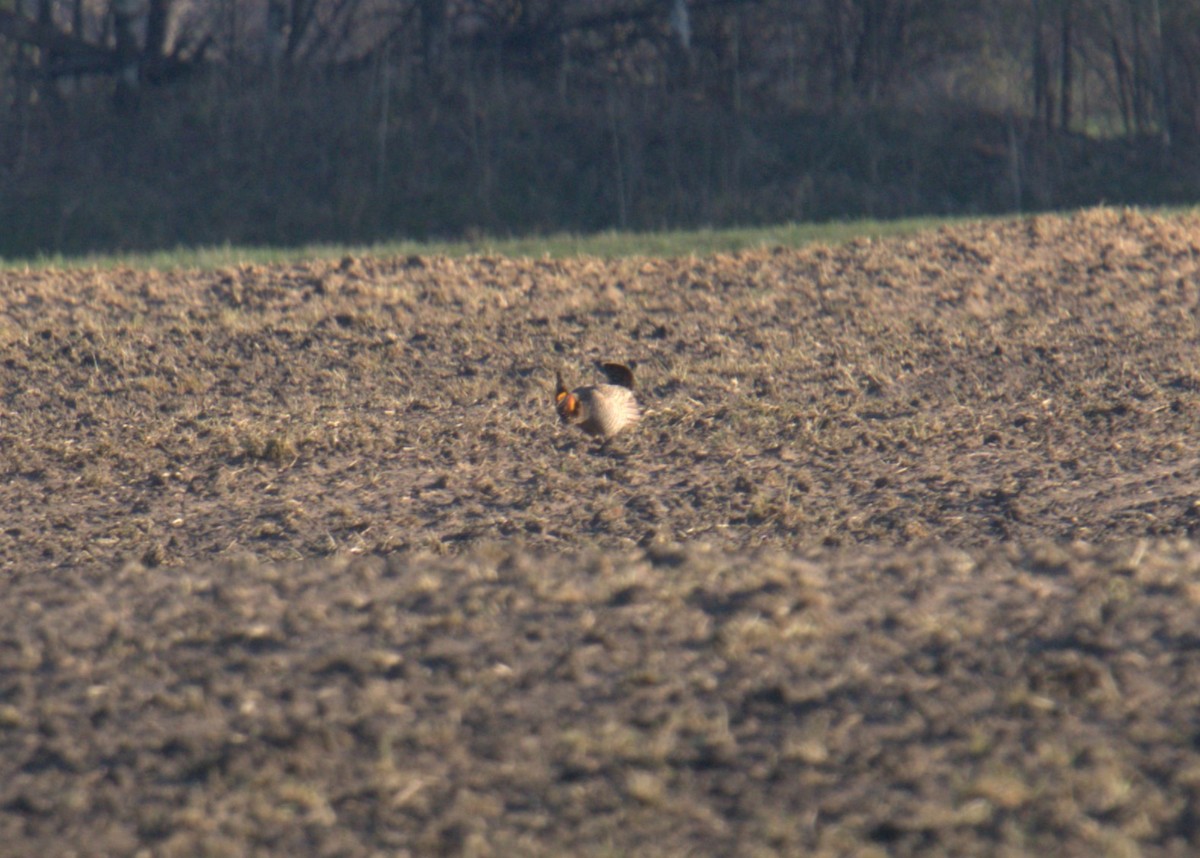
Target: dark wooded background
pixel 137 124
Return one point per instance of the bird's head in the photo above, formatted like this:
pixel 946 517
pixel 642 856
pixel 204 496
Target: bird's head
pixel 566 402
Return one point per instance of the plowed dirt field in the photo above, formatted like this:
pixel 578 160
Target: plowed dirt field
pixel 298 559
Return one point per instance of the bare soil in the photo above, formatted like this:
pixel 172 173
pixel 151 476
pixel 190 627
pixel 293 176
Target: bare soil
pixel 299 559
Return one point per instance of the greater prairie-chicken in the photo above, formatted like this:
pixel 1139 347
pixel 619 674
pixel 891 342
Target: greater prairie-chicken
pixel 600 410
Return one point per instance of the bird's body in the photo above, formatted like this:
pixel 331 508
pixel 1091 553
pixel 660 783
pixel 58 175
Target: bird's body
pixel 600 410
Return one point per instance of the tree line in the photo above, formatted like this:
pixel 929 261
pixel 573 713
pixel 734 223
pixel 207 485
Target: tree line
pixel 717 76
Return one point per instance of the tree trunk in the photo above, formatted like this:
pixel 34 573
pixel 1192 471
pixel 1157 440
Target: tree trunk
pixel 1139 77
pixel 433 34
pixel 276 36
pixel 125 15
pixel 1043 99
pixel 1066 78
pixel 1121 70
pixel 1161 92
pixel 836 41
pixel 156 31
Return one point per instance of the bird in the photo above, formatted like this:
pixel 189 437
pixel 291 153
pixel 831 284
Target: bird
pixel 600 410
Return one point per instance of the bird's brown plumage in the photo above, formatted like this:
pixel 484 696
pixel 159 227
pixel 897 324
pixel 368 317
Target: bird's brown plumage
pixel 600 410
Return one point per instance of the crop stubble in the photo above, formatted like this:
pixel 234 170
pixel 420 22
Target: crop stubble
pixel 832 593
